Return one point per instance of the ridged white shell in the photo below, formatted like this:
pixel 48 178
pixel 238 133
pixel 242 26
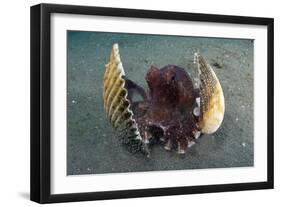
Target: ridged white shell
pixel 116 103
pixel 211 97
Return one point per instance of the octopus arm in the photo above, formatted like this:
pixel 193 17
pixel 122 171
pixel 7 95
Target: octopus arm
pixel 134 88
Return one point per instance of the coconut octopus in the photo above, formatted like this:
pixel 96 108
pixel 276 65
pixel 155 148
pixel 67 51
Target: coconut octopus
pixel 171 111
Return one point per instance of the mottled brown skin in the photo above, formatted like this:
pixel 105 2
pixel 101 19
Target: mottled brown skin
pixel 166 110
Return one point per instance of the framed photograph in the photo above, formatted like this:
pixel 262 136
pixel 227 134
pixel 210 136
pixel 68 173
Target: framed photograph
pixel 133 103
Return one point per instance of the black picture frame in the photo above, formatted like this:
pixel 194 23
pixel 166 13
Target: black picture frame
pixel 41 98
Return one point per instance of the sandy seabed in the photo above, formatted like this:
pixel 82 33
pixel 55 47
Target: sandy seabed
pixel 91 143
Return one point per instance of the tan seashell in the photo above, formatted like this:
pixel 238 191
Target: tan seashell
pixel 211 97
pixel 116 103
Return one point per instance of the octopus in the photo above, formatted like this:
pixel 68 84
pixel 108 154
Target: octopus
pixel 171 110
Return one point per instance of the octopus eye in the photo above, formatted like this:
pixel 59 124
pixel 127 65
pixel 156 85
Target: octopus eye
pixel 173 78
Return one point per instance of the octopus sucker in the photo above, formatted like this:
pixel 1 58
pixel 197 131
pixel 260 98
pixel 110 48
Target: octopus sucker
pixel 168 145
pixel 171 110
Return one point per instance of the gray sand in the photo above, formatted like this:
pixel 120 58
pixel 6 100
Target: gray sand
pixel 91 144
